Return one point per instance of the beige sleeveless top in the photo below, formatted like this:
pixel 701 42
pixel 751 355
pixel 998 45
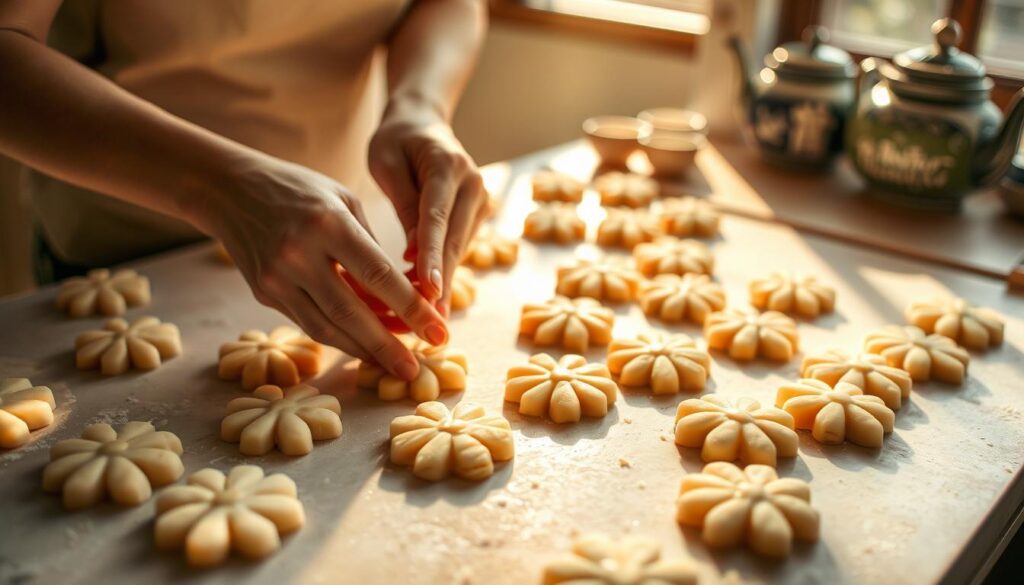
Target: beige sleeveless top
pixel 300 79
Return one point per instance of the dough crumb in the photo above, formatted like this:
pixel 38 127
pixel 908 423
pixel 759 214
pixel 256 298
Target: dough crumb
pixel 624 463
pixel 627 420
pixel 663 438
pixel 641 485
pixel 534 484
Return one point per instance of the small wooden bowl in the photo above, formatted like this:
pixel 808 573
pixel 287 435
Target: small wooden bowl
pixel 615 137
pixel 674 120
pixel 671 153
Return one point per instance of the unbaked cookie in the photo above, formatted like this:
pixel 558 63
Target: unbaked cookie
pixel 291 419
pixel 628 189
pixel 836 414
pixel 573 324
pixel 792 293
pixel 603 280
pixel 143 345
pixel 866 371
pixel 442 369
pixel 959 320
pixel 212 515
pixel 921 355
pixel 745 432
pixel 465 442
pixel 282 358
pixel 627 228
pixel 664 363
pixel 463 288
pixel 103 292
pixel 563 390
pixel 746 334
pixel 554 222
pixel 125 465
pixel 555 186
pixel 489 248
pixel 688 217
pixel 668 255
pixel 23 409
pixel 750 505
pixel 673 298
pixel 634 560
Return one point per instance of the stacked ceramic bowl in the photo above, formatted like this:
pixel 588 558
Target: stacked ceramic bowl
pixel 669 137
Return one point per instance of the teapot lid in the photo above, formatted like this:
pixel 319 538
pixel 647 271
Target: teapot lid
pixel 811 57
pixel 943 65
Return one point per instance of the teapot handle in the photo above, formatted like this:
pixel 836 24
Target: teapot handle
pixel 868 75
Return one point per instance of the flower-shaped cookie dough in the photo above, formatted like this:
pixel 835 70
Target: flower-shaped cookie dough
pixel 124 465
pixel 673 298
pixel 442 369
pixel 463 288
pixel 836 414
pixel 668 255
pixel 744 432
pixel 634 560
pixel 746 334
pixel 564 390
pixel 921 355
pixel 628 189
pixel 627 228
pixel 664 363
pixel 143 345
pixel 23 409
pixel 291 419
pixel 602 280
pixel 792 293
pixel 555 186
pixel 554 222
pixel 959 320
pixel 489 248
pixel 437 443
pixel 751 505
pixel 101 292
pixel 689 216
pixel 212 514
pixel 282 358
pixel 572 323
pixel 866 371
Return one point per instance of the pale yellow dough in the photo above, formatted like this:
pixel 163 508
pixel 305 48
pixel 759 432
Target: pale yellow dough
pixel 627 228
pixel 866 371
pixel 746 334
pixel 437 443
pixel 554 222
pixel 751 505
pixel 634 560
pixel 673 298
pixel 602 280
pixel 573 324
pixel 959 320
pixel 743 432
pixel 103 292
pixel 555 186
pixel 666 364
pixel 792 293
pixel 463 288
pixel 489 249
pixel 442 369
pixel 212 515
pixel 118 347
pixel 125 465
pixel 668 255
pixel 627 189
pixel 283 358
pixel 688 217
pixel 921 355
pixel 564 390
pixel 23 409
pixel 834 415
pixel 291 419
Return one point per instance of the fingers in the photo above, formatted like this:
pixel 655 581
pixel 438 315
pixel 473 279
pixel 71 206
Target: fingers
pixel 436 206
pixel 308 316
pixel 391 170
pixel 464 221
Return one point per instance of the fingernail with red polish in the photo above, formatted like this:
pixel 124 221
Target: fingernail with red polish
pixel 435 279
pixel 407 370
pixel 436 334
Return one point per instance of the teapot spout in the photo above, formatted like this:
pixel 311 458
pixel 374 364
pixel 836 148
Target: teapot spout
pixel 993 160
pixel 745 72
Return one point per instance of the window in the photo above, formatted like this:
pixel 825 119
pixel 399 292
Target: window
pixel 896 26
pixel 1001 40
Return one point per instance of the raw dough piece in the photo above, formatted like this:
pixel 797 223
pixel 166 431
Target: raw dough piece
pixel 744 432
pixel 143 345
pixel 291 419
pixel 212 514
pixel 751 505
pixel 689 216
pixel 437 443
pixel 628 189
pixel 672 298
pixel 602 280
pixel 836 414
pixel 572 323
pixel 489 248
pixel 746 334
pixel 627 228
pixel 668 255
pixel 554 222
pixel 23 409
pixel 920 355
pixel 866 371
pixel 463 288
pixel 959 320
pixel 442 369
pixel 634 560
pixel 555 186
pixel 282 358
pixel 664 363
pixel 564 390
pixel 101 292
pixel 124 465
pixel 792 293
